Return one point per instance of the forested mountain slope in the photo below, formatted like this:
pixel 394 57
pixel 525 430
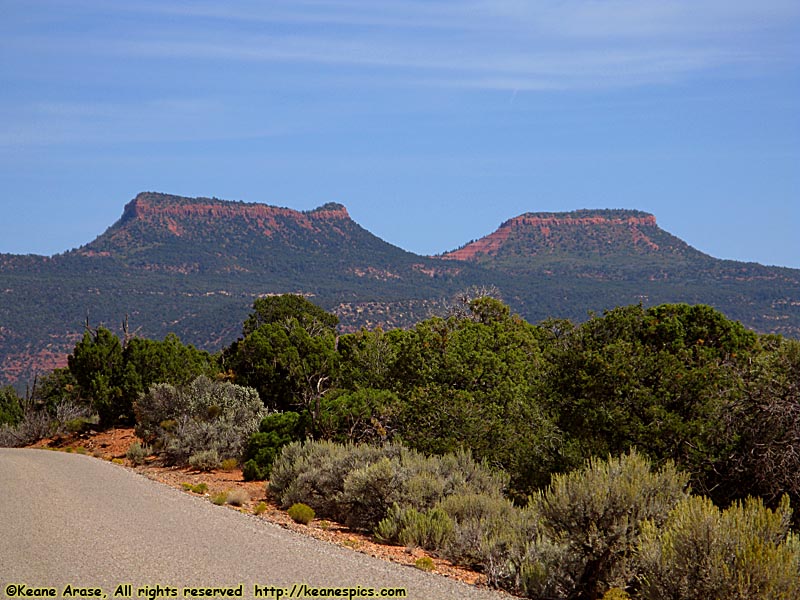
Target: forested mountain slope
pixel 619 257
pixel 193 266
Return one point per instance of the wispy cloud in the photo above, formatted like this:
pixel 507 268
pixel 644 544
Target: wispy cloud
pixel 564 18
pixel 308 45
pixel 569 44
pixel 480 65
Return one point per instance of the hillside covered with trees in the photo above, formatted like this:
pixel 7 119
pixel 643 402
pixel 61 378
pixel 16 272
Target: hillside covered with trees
pixel 648 452
pixel 194 266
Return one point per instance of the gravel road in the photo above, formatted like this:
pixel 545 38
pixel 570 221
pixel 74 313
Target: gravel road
pixel 67 519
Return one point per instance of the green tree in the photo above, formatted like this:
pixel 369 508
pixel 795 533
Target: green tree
pixel 276 431
pixel 147 362
pixel 363 416
pixel 700 328
pixel 59 385
pixel 288 366
pixel 288 356
pixel 475 382
pixel 367 358
pixel 766 421
pixel 96 363
pixel 279 309
pixel 10 406
pixel 661 380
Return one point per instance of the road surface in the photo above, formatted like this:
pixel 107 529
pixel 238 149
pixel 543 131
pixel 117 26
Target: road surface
pixel 72 520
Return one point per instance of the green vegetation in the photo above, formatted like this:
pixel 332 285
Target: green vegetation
pixel 10 406
pixel 200 423
pixel 137 453
pixel 358 484
pixel 197 488
pixel 615 528
pixel 301 513
pixel 205 460
pixel 430 529
pixel 113 376
pixel 274 432
pixel 201 283
pixel 229 464
pixel 595 516
pixel 556 458
pixel 425 563
pixel 40 419
pixel 744 551
pixel 219 498
pixel 292 360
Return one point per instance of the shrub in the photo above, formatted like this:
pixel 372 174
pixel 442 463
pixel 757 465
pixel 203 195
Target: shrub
pixel 314 473
pixel 597 513
pixel 362 416
pixel 430 530
pixel 428 479
pixel 260 508
pixel 766 462
pixel 199 488
pixel 369 491
pixel 219 498
pixel 252 472
pixel 475 526
pixel 425 563
pixel 743 552
pixel 39 422
pixel 477 518
pixel 137 453
pixel 274 432
pixel 205 460
pixel 396 520
pixel 616 594
pixel 203 416
pixel 168 425
pixel 499 543
pixel 81 424
pixel 229 464
pixel 358 483
pixel 238 497
pixel 301 513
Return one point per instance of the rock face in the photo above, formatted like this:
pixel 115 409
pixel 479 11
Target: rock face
pixel 170 211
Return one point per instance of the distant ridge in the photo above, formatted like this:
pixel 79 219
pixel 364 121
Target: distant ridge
pixel 193 266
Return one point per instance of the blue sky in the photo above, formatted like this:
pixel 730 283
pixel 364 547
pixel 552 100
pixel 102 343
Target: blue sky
pixel 432 121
